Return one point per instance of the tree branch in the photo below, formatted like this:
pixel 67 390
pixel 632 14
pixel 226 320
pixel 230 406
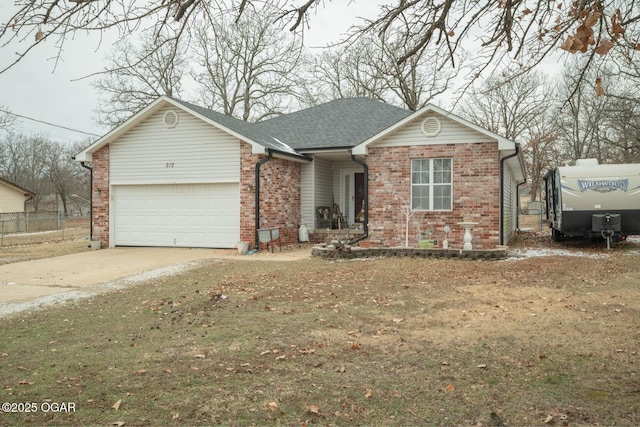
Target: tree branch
pixel 438 25
pixel 183 8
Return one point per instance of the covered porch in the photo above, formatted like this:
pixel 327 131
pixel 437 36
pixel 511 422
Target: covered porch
pixel 334 196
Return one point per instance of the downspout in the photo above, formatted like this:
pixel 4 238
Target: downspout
pixel 84 165
pixel 257 197
pixel 502 192
pixel 365 200
pixel 27 201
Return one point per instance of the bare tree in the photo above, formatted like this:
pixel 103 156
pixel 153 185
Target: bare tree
pixel 527 32
pixel 622 133
pixel 580 115
pixel 6 119
pixel 43 166
pixel 33 23
pixel 542 151
pixel 134 76
pixel 417 80
pixel 346 72
pixel 369 67
pixel 620 126
pixel 24 163
pixel 67 178
pixel 523 110
pixel 509 106
pixel 247 69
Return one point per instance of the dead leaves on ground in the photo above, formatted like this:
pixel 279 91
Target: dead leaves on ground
pixel 314 409
pixel 294 348
pixel 555 419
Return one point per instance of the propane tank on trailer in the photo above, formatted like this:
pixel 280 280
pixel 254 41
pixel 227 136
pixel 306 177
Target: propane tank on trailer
pixel 303 233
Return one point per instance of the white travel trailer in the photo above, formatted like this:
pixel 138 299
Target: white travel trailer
pixel 593 200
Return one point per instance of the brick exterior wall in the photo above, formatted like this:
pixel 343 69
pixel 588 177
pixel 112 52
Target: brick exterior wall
pixel 476 194
pixel 280 196
pixel 279 205
pixel 100 196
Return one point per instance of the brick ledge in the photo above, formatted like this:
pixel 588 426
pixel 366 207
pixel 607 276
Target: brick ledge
pixel 346 252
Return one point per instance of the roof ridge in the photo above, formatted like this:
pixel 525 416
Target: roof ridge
pixel 327 104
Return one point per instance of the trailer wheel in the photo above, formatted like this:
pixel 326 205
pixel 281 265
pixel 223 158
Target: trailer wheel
pixel 556 235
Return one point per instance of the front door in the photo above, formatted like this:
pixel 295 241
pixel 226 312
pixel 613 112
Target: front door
pixel 353 195
pixel 359 197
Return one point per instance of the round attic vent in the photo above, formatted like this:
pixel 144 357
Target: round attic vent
pixel 170 119
pixel 431 126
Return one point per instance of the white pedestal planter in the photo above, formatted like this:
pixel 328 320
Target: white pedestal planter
pixel 468 226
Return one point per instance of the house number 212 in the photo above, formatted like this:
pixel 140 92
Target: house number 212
pixel 169 165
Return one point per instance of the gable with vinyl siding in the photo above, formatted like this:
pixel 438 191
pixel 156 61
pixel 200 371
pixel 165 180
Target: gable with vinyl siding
pixel 191 152
pixel 451 132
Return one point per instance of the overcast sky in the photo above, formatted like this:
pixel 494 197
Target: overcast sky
pixel 34 89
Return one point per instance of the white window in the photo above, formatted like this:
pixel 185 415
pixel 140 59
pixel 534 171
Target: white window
pixel 431 184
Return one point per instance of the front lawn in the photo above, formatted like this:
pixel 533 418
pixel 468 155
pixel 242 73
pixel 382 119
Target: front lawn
pixel 375 342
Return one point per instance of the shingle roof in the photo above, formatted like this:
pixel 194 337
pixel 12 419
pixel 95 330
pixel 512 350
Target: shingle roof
pixel 243 128
pixel 342 123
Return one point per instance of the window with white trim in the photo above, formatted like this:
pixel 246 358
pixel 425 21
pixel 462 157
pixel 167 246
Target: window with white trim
pixel 431 184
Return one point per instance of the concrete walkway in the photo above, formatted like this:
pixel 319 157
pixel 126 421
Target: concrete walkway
pixel 37 279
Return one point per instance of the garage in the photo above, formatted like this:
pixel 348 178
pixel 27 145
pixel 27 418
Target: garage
pixel 179 215
pixel 178 175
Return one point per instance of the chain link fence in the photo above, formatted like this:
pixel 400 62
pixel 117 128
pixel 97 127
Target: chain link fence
pixel 25 228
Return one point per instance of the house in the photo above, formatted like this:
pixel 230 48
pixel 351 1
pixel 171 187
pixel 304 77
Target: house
pixel 176 174
pixel 13 198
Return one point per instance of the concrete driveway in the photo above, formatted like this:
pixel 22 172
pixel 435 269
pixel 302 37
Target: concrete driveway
pixel 30 284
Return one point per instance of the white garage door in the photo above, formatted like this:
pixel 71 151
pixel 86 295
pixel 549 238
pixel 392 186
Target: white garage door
pixel 185 215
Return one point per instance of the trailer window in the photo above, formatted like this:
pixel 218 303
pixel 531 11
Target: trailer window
pixel 431 184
